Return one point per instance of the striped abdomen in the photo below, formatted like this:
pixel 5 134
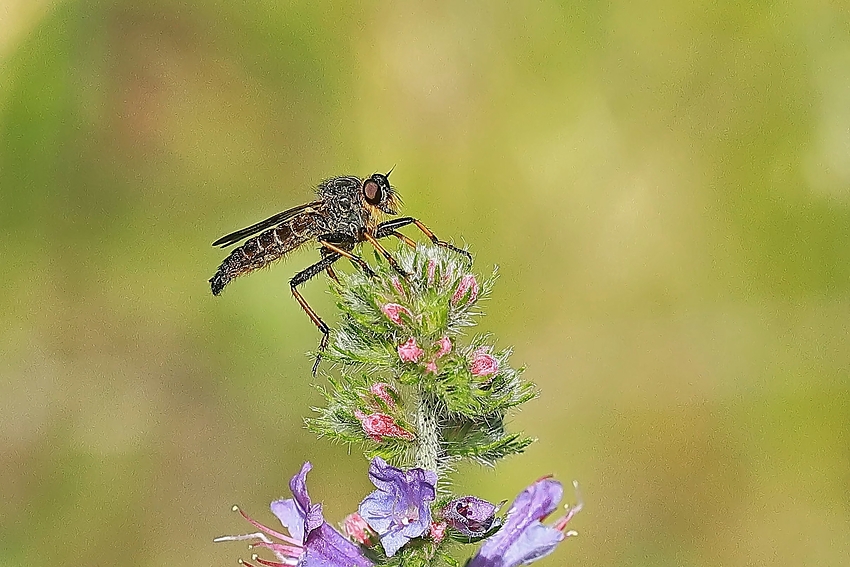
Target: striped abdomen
pixel 261 250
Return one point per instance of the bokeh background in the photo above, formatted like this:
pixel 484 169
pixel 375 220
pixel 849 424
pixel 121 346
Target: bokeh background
pixel 665 187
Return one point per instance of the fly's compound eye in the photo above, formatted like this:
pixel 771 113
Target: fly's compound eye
pixel 372 192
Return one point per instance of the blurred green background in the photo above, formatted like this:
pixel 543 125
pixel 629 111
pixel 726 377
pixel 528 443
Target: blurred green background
pixel 664 185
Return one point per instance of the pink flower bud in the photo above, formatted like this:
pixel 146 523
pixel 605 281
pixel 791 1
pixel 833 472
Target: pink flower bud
pixel 431 367
pixel 438 531
pixel 409 351
pixel 445 345
pixel 384 392
pixel 357 529
pixel 448 274
pixel 380 425
pixel 432 267
pixel 393 311
pixel 396 283
pixel 484 363
pixel 468 284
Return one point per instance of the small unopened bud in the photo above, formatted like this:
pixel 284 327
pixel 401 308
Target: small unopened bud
pixel 410 351
pixel 468 285
pixel 445 347
pixel 483 363
pixel 380 425
pixel 438 531
pixel 396 283
pixel 384 392
pixel 356 528
pixel 393 312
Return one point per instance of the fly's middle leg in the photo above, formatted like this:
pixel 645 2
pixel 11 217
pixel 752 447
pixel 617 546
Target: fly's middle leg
pixel 301 277
pixel 353 257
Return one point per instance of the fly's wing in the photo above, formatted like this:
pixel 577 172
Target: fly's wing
pixel 234 237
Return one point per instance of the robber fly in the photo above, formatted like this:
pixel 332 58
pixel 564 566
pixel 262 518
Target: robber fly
pixel 346 212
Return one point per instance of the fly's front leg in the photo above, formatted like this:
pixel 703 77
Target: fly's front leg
pixel 409 241
pixel 343 252
pixel 392 261
pixel 301 277
pixel 390 228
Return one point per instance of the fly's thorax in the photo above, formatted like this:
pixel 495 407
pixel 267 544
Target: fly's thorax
pixel 345 210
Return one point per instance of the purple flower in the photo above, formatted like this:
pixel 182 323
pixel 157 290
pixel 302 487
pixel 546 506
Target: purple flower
pixel 469 515
pixel 311 542
pixel 523 538
pixel 398 511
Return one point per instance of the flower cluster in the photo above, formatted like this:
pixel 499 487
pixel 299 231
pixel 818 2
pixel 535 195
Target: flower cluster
pixel 399 512
pixel 311 540
pixel 417 396
pixel 407 335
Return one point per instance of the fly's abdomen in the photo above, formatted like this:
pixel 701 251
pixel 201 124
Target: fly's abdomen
pixel 256 253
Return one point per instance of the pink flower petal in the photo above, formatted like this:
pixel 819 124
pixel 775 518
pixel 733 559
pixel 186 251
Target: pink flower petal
pixel 484 363
pixel 384 392
pixel 357 529
pixel 410 351
pixel 380 425
pixel 468 284
pixel 445 345
pixel 393 312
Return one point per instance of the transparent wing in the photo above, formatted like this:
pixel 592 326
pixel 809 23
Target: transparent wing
pixel 274 220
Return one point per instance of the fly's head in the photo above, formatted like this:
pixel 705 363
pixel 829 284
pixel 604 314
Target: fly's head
pixel 379 194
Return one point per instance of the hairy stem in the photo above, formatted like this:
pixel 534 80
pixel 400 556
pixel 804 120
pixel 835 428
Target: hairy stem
pixel 429 447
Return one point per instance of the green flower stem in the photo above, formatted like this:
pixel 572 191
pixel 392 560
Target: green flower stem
pixel 429 449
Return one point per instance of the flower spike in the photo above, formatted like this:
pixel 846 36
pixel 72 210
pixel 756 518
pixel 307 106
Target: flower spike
pixel 419 393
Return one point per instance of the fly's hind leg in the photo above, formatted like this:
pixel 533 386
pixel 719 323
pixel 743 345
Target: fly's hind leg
pixel 329 270
pixel 332 274
pixel 390 228
pixel 301 277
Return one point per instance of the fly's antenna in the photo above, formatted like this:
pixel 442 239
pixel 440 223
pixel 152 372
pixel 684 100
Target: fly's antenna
pixel 390 171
